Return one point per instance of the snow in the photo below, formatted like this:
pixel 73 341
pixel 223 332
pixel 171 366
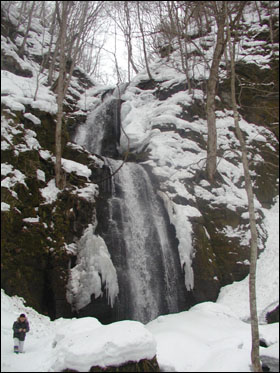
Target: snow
pixel 141 112
pixel 15 177
pixel 18 91
pixel 206 330
pixel 207 338
pixel 45 154
pixel 89 192
pixel 78 168
pixel 50 192
pixel 32 118
pixel 6 169
pixel 52 346
pixel 31 142
pixel 94 268
pixel 31 220
pixel 160 128
pixel 5 206
pixel 267 275
pixel 179 218
pixel 102 345
pixel 41 175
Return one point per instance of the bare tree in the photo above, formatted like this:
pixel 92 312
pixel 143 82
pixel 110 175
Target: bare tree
pixel 41 68
pixel 21 49
pixel 47 60
pixel 22 13
pixel 179 27
pixel 124 17
pixel 128 35
pixel 220 16
pixel 140 22
pixel 219 11
pixel 62 17
pixel 75 20
pixel 255 358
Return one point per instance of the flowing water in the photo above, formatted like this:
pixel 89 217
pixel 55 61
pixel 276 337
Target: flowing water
pixel 137 232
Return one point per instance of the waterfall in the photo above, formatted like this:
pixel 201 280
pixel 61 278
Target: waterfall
pixel 101 132
pixel 137 235
pixel 90 134
pixel 136 229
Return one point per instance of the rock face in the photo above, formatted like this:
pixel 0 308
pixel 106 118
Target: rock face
pixel 38 221
pixel 35 231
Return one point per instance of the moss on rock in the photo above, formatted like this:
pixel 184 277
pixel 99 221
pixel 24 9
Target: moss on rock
pixel 205 267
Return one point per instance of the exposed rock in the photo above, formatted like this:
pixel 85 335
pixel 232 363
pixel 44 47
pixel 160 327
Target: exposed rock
pixel 9 63
pixel 35 248
pixel 273 316
pixel 270 364
pixel 144 365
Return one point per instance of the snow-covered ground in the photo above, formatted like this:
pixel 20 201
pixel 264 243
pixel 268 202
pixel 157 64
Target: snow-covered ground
pixel 236 295
pixel 210 337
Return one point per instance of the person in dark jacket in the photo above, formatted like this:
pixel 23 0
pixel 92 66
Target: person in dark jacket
pixel 20 327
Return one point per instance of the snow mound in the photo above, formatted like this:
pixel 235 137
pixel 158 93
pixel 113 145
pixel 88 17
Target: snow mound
pixel 86 344
pixel 202 339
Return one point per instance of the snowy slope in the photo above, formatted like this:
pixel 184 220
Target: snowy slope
pixel 267 276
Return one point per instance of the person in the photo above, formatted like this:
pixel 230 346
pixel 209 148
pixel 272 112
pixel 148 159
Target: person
pixel 20 327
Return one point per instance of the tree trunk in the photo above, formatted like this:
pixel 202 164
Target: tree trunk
pixel 128 39
pixel 210 102
pixel 183 50
pixel 21 50
pixel 60 96
pixel 77 48
pixel 47 59
pixel 144 42
pixel 255 358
